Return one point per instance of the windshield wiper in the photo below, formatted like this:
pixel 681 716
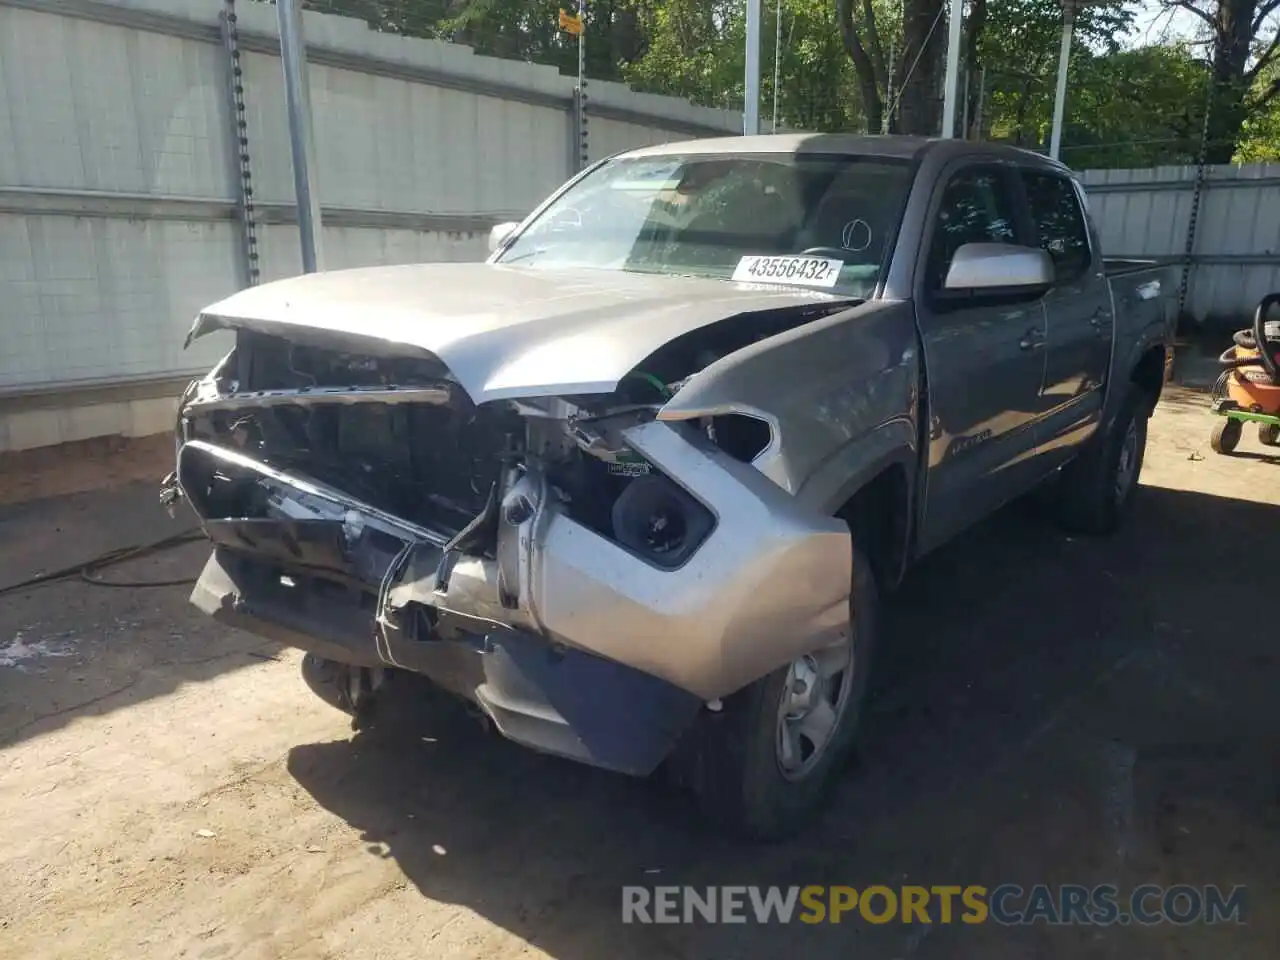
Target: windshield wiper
pixel 525 256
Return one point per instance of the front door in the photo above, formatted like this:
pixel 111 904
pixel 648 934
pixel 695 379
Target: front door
pixel 1079 312
pixel 984 364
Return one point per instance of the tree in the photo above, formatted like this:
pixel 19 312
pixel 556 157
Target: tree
pixel 910 91
pixel 696 51
pixel 859 65
pixel 513 29
pixel 1260 134
pixel 1244 37
pixel 1018 49
pixel 1135 108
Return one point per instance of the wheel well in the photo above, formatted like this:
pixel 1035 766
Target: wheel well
pixel 878 518
pixel 1149 374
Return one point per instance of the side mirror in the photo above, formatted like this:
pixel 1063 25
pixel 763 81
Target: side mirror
pixel 498 235
pixel 979 269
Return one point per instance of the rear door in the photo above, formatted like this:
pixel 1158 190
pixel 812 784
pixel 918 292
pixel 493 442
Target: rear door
pixel 1081 322
pixel 984 362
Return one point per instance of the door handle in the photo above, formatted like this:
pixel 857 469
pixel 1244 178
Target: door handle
pixel 1033 339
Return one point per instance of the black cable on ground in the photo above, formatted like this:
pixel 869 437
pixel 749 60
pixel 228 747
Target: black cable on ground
pixel 86 570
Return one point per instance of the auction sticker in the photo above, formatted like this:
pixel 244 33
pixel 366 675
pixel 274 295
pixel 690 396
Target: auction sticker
pixel 809 271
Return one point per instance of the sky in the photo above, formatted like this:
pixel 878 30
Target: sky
pixel 1154 23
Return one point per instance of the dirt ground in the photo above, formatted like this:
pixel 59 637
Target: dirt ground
pixel 1045 710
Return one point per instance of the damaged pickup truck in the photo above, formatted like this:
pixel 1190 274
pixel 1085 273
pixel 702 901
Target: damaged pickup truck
pixel 631 486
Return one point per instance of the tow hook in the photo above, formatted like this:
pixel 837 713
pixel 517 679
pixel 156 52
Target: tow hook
pixel 170 493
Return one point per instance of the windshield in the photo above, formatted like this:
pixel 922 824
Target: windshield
pixel 818 220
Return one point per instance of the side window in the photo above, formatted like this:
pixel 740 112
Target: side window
pixel 977 207
pixel 1059 222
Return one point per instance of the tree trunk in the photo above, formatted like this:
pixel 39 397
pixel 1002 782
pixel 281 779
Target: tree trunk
pixel 1020 114
pixel 924 35
pixel 973 35
pixel 628 41
pixel 1233 26
pixel 864 67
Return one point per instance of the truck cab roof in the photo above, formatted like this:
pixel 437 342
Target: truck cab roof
pixel 850 144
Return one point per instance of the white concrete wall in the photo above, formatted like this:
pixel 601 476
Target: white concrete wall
pixel 358 247
pixel 92 298
pixel 93 112
pixel 91 106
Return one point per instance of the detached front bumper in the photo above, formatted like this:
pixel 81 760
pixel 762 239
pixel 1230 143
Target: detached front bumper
pixel 570 643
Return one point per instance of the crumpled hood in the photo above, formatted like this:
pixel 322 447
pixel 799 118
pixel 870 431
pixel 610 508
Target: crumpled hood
pixel 503 331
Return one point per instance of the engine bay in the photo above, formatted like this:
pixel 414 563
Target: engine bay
pixel 400 435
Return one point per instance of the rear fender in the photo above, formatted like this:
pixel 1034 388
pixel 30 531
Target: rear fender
pixel 1145 321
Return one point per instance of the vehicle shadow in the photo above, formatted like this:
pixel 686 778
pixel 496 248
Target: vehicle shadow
pixel 1046 708
pixel 71 649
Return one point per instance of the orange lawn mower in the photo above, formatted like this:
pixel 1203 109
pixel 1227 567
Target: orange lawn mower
pixel 1249 388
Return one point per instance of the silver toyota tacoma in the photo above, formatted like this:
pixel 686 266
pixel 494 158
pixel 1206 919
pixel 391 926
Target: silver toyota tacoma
pixel 632 486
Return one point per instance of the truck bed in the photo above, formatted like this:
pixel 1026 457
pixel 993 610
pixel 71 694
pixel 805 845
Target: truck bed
pixel 1144 291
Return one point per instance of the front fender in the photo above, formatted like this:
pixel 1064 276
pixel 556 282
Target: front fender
pixel 856 464
pixel 825 387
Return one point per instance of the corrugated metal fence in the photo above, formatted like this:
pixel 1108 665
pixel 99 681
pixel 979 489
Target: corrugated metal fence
pixel 120 180
pixel 121 186
pixel 1223 232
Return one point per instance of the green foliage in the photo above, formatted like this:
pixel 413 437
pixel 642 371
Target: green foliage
pixel 1260 141
pixel 1125 107
pixel 1134 108
pixel 695 51
pixel 1019 49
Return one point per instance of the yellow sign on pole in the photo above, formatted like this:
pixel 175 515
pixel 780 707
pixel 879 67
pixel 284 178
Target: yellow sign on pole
pixel 571 23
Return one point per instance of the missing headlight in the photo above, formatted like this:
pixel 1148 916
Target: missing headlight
pixel 741 436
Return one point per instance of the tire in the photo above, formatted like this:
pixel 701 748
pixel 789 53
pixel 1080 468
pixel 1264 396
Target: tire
pixel 1096 490
pixel 1269 434
pixel 1226 435
pixel 735 768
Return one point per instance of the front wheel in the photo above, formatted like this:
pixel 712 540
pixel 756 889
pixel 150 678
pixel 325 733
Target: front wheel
pixel 1096 490
pixel 1269 434
pixel 1226 435
pixel 763 765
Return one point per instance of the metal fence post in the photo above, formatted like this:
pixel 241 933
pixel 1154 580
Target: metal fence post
pixel 751 75
pixel 952 75
pixel 1060 91
pixel 297 93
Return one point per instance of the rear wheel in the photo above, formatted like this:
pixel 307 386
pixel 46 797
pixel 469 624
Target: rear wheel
pixel 1226 435
pixel 1096 490
pixel 764 764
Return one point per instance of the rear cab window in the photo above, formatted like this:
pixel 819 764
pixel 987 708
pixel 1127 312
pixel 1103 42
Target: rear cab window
pixel 1059 221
